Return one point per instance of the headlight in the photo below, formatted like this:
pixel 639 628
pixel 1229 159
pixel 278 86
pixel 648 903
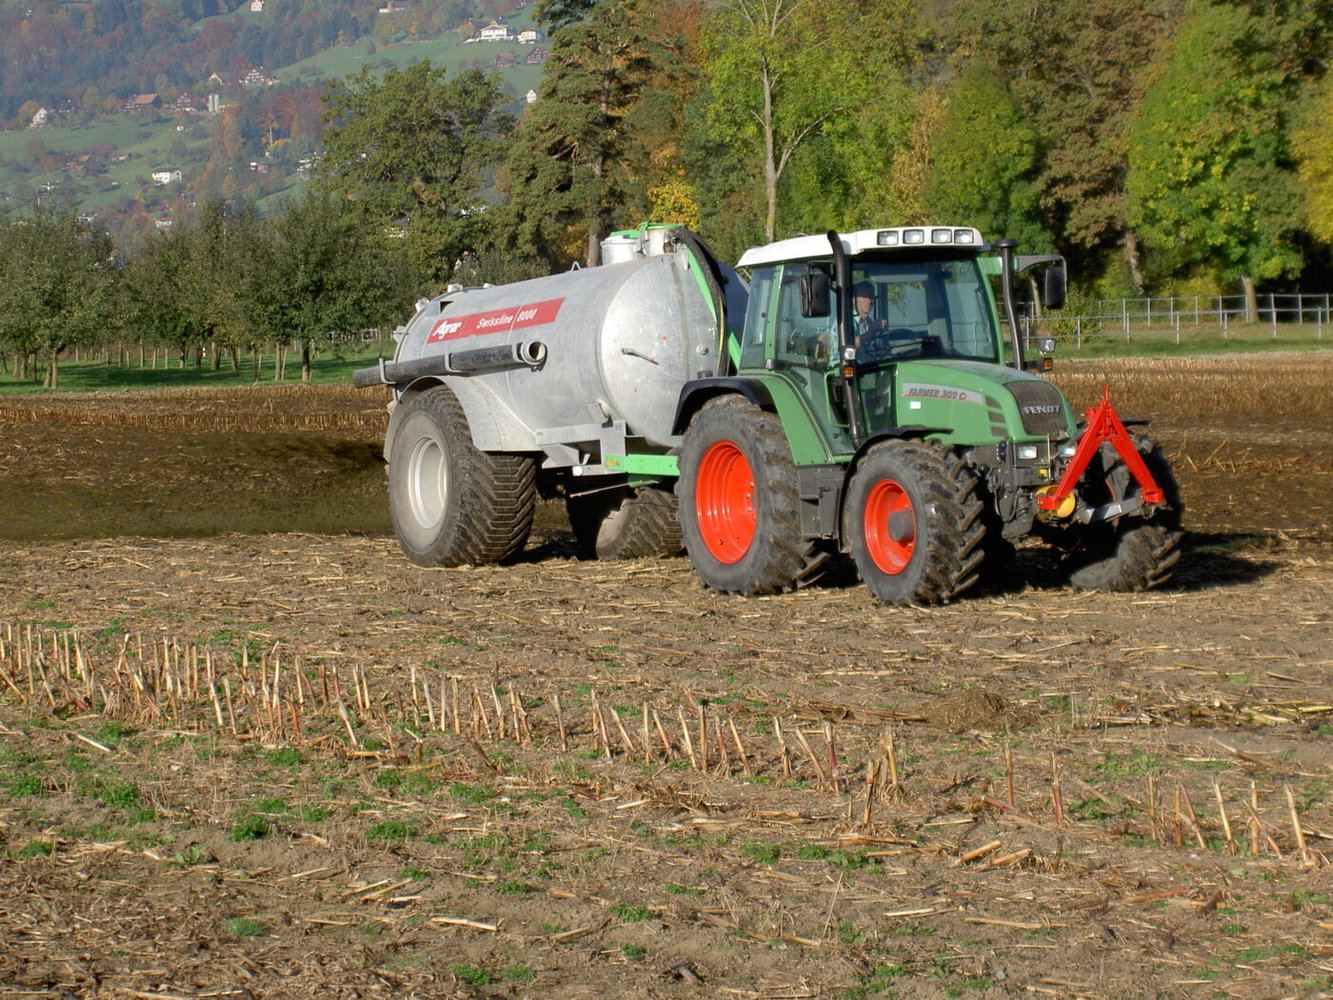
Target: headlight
pixel 1027 452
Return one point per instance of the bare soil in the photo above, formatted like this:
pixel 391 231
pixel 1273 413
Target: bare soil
pixel 247 750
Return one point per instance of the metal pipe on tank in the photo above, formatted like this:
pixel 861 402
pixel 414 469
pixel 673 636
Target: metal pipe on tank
pixel 481 359
pixel 529 354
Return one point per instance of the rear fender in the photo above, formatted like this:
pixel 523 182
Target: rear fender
pixel 493 426
pixel 693 395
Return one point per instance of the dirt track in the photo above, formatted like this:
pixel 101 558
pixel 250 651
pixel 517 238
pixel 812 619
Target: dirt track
pixel 469 808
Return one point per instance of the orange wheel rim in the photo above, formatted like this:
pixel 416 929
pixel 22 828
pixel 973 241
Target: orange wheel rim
pixel 724 502
pixel 889 550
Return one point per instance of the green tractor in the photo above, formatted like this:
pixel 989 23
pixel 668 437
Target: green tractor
pixel 870 403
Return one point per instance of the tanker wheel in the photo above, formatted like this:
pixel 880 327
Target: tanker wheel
pixel 452 504
pixel 626 523
pixel 915 522
pixel 1129 553
pixel 738 501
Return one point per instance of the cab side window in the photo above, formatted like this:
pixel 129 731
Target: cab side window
pixel 762 288
pixel 803 340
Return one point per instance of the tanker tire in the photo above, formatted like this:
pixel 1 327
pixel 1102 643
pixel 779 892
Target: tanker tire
pixel 1131 554
pixel 738 503
pixel 626 523
pixel 452 504
pixel 915 522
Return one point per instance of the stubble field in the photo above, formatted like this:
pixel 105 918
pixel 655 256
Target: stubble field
pixel 247 750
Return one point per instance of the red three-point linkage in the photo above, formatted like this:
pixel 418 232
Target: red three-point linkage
pixel 1104 425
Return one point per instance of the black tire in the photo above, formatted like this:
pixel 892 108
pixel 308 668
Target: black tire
pixel 999 569
pixel 915 523
pixel 626 523
pixel 1130 553
pixel 738 503
pixel 452 504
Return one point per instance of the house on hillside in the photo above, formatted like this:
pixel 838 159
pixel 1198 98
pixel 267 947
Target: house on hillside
pixel 165 175
pixel 505 60
pixel 536 56
pixel 256 78
pixel 393 7
pixel 187 102
pixel 142 102
pixel 531 97
pixel 494 32
pixel 42 117
pixel 529 36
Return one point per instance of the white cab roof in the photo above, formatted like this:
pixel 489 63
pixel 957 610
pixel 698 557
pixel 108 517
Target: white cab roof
pixel 894 238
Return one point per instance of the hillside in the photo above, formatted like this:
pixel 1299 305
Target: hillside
pixel 229 96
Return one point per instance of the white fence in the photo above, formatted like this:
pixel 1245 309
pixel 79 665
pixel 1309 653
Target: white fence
pixel 1277 315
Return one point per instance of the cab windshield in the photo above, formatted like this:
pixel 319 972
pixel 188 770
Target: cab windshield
pixel 903 308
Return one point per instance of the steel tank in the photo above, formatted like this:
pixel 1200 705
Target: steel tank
pixel 565 354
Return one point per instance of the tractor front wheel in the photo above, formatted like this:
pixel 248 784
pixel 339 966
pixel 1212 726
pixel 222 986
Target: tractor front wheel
pixel 1129 553
pixel 738 502
pixel 915 523
pixel 452 504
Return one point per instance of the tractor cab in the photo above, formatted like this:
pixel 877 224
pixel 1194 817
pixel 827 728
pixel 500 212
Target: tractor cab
pixel 880 329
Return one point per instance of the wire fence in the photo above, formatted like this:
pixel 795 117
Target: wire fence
pixel 1276 315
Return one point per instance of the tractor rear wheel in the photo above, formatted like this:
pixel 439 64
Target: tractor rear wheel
pixel 626 523
pixel 452 504
pixel 915 523
pixel 1129 553
pixel 738 501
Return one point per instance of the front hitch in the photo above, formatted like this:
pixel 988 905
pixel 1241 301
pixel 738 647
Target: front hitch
pixel 1104 427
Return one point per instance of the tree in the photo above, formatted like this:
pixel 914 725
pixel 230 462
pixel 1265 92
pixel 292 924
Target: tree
pixel 1210 183
pixel 412 150
pixel 192 285
pixel 781 73
pixel 994 192
pixel 57 286
pixel 1074 69
pixel 571 165
pixel 160 306
pixel 1312 141
pixel 323 273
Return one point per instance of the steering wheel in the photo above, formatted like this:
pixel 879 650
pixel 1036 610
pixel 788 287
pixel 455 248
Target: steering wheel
pixel 880 344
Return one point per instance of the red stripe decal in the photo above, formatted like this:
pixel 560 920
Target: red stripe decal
pixel 494 321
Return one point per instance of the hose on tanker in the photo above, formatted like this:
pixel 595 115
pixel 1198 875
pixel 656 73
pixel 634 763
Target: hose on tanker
pixel 713 278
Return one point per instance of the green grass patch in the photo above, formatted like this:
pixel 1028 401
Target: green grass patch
pixel 1133 764
pixel 329 368
pixel 765 854
pixel 23 786
pixel 472 975
pixel 35 849
pixel 244 927
pixel 630 913
pixel 391 829
pixel 249 828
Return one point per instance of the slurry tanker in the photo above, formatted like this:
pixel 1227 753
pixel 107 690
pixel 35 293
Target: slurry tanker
pixel 863 393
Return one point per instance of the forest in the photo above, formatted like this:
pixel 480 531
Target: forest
pixel 1163 146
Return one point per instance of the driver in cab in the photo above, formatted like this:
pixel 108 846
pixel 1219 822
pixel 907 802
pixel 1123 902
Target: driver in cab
pixel 864 324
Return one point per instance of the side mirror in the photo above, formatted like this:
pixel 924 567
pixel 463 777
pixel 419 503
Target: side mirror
pixel 1054 286
pixel 815 298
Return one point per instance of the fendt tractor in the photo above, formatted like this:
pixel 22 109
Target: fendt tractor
pixel 860 395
